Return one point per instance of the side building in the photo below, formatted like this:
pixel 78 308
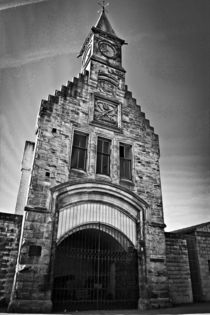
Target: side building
pixel 188 264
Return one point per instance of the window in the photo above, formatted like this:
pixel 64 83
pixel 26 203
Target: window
pixel 103 157
pixel 209 265
pixel 79 151
pixel 35 250
pixel 125 161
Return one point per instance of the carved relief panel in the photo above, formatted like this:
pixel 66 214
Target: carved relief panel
pixel 106 111
pixel 107 84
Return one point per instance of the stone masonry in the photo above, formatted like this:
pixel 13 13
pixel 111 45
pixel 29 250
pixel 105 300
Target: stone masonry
pixel 178 268
pixel 198 243
pixel 71 109
pixel 203 247
pixel 10 230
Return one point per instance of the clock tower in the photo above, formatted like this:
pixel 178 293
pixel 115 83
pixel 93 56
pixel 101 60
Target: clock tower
pixel 102 46
pixel 101 56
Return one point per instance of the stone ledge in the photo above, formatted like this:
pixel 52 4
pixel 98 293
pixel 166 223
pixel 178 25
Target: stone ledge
pixel 156 224
pixel 37 209
pixel 30 306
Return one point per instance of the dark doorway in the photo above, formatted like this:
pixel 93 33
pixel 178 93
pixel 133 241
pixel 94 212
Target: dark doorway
pixel 93 270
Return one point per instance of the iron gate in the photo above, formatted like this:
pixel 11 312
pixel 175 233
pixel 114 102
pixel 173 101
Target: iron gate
pixel 95 270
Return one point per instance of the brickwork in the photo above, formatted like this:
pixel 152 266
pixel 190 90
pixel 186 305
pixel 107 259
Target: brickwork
pixel 180 287
pixel 10 229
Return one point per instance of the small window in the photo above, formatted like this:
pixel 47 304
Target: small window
pixel 79 151
pixel 103 156
pixel 35 250
pixel 209 265
pixel 125 161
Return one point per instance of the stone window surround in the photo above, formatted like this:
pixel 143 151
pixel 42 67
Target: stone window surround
pixel 78 132
pixel 114 152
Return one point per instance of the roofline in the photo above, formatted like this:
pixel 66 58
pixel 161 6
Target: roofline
pixel 190 228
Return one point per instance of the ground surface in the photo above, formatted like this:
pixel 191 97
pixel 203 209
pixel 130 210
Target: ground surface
pixel 199 308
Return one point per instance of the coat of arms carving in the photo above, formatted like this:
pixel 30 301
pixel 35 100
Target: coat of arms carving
pixel 106 112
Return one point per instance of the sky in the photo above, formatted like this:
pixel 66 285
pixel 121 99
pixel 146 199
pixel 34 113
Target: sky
pixel 168 71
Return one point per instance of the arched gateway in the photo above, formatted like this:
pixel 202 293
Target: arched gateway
pixel 94 271
pixel 96 256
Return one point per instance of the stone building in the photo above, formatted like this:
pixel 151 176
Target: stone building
pixel 93 230
pixel 188 253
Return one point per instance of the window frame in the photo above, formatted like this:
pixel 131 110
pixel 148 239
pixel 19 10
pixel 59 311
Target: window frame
pixel 123 160
pixel 79 149
pixel 103 154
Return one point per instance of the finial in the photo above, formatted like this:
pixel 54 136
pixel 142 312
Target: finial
pixel 103 5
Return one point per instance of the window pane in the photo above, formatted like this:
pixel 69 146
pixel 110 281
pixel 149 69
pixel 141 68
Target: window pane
pixel 125 169
pixel 99 149
pixel 105 169
pixel 103 156
pixel 121 151
pixel 79 154
pixel 106 147
pixel 80 140
pixel 127 151
pixel 76 139
pixel 74 158
pixel 122 168
pixel 82 159
pixel 99 159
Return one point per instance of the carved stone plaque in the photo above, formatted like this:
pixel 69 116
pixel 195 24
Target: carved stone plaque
pixel 107 83
pixel 107 87
pixel 106 112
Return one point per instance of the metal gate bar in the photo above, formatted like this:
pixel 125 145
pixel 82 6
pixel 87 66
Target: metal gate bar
pixel 94 271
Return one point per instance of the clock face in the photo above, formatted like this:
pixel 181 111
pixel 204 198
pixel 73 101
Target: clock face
pixel 107 49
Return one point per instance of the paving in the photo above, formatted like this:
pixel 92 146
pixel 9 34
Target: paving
pixel 195 308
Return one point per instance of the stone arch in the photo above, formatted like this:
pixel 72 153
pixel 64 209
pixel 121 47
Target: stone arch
pixel 78 195
pixel 120 237
pixel 124 210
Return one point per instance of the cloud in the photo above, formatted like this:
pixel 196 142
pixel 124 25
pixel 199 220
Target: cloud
pixel 8 61
pixel 9 4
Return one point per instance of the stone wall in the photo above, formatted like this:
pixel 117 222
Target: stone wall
pixel 180 288
pixel 10 230
pixel 202 235
pixel 32 275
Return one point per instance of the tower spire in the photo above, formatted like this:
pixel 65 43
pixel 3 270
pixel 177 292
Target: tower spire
pixel 103 5
pixel 103 23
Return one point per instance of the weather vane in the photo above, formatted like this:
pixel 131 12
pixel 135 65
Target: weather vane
pixel 103 5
